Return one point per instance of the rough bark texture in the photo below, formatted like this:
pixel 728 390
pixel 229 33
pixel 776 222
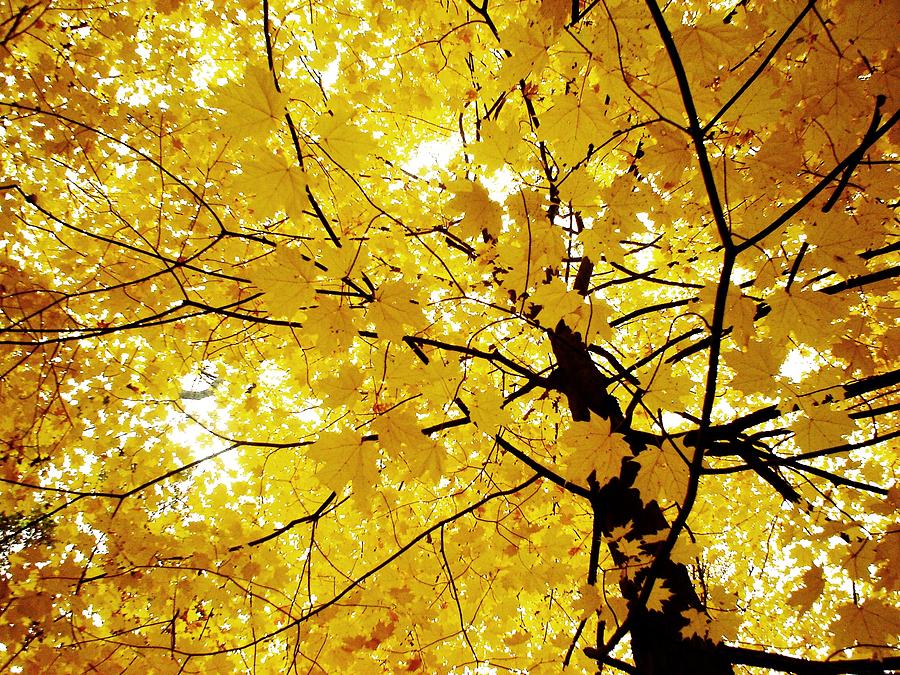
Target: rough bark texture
pixel 656 639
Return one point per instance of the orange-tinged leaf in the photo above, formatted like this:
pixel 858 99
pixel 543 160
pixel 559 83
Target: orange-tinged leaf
pixel 811 586
pixel 33 607
pixel 516 638
pixel 805 314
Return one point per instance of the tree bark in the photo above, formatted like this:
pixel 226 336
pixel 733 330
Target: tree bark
pixel 657 642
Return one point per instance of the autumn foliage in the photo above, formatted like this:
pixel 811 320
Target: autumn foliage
pixel 461 336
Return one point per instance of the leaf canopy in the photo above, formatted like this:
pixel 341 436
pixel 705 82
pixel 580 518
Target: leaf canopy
pixel 449 337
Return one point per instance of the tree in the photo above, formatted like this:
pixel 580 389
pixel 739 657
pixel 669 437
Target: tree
pixel 460 336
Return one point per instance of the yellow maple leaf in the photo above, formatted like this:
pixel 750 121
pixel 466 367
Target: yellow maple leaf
pixel 275 183
pixel 837 236
pixel 253 107
pixel 332 324
pixel 486 411
pixel 725 625
pixel 482 214
pixel 593 448
pixel 341 262
pixel 698 623
pixel 554 301
pixel 528 42
pixel 397 428
pixel 709 44
pixel 888 556
pixel 573 124
pixel 500 145
pixel 343 458
pixel 579 189
pixel 820 425
pixel 686 552
pixel 669 389
pixel 590 601
pixel 663 474
pixel 812 585
pixel 287 280
pixel 870 622
pixel 756 368
pixel 739 312
pixel 426 458
pixel 343 139
pixel 395 308
pixel 341 387
pixel 659 594
pixel 601 241
pixel 805 314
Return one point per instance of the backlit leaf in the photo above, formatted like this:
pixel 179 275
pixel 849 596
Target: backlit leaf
pixel 253 106
pixel 287 280
pixel 593 448
pixel 343 458
pixel 364 337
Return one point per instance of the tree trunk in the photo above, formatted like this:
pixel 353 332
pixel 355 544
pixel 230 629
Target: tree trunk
pixel 657 643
